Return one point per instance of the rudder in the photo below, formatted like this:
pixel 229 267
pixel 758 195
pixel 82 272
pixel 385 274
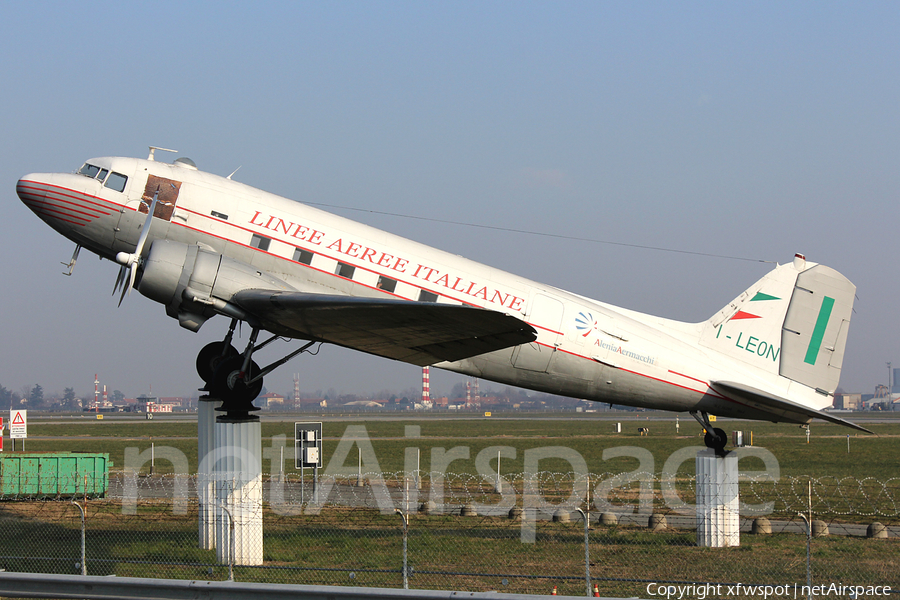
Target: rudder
pixel 815 329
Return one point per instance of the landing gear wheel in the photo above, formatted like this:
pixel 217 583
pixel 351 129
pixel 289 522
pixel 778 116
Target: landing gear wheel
pixel 230 387
pixel 716 440
pixel 211 356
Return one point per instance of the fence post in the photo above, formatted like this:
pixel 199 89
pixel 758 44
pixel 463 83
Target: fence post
pixel 498 487
pixel 405 531
pixel 83 561
pixel 231 540
pixel 587 552
pixel 808 545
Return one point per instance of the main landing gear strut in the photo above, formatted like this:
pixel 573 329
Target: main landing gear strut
pixel 715 438
pixel 234 377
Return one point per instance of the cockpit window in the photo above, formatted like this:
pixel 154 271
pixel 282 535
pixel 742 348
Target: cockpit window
pixel 88 170
pixel 116 181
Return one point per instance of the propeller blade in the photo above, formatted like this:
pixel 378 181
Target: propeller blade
pixel 122 297
pixel 131 261
pixel 128 280
pixel 119 279
pixel 145 228
pixel 132 275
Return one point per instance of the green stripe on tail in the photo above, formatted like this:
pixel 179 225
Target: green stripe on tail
pixel 815 343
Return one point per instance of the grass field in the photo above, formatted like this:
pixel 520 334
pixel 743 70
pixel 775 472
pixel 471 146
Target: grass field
pixel 825 456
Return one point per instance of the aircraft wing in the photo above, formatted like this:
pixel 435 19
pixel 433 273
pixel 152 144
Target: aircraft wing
pixel 421 333
pixel 775 405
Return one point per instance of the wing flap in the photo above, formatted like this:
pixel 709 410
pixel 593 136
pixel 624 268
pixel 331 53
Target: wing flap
pixel 421 333
pixel 778 406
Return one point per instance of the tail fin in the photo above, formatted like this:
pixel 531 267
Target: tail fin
pixel 793 322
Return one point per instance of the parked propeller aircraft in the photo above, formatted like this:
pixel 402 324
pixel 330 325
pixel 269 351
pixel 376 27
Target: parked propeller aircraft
pixel 204 245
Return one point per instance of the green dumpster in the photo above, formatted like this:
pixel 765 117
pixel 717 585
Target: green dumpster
pixel 53 474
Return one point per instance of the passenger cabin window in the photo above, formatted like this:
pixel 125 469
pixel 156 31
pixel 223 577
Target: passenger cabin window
pixel 303 256
pixel 387 284
pixel 345 270
pixel 116 181
pixel 258 241
pixel 426 296
pixel 219 215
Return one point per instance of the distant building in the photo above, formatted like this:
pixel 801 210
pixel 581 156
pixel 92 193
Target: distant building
pixel 151 405
pixel 100 406
pixel 176 402
pixel 456 404
pixel 272 400
pixel 847 401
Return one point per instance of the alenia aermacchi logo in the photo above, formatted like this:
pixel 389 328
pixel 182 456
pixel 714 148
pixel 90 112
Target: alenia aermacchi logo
pixel 585 324
pixel 752 344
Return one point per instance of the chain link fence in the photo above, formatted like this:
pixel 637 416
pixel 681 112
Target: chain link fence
pixel 521 533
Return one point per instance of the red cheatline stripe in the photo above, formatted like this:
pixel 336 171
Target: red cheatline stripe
pixel 54 189
pixel 708 391
pixel 60 216
pixel 81 201
pixel 46 209
pixel 743 315
pixel 689 377
pixel 48 206
pixel 83 204
pixel 547 329
pixel 50 213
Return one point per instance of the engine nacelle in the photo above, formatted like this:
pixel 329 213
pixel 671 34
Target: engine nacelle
pixel 194 284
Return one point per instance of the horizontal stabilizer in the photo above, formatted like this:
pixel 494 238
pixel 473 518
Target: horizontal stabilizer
pixel 780 408
pixel 421 333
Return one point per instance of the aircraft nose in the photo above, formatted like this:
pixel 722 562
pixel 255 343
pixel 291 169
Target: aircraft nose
pixel 31 193
pixel 57 199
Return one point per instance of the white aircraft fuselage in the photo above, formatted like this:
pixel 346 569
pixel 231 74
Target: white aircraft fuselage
pixel 212 238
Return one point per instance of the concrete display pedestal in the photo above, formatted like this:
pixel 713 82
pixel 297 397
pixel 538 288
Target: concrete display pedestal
pixel 238 493
pixel 206 485
pixel 718 503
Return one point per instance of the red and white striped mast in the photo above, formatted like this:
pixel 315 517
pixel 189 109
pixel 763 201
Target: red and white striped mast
pixel 426 390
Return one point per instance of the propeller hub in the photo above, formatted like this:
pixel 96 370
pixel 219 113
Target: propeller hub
pixel 126 259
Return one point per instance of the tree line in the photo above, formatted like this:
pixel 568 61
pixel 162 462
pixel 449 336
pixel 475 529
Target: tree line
pixel 33 398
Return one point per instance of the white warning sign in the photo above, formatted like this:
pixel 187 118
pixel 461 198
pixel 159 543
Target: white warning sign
pixel 18 424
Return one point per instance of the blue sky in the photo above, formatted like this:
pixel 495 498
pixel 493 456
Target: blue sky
pixel 750 130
